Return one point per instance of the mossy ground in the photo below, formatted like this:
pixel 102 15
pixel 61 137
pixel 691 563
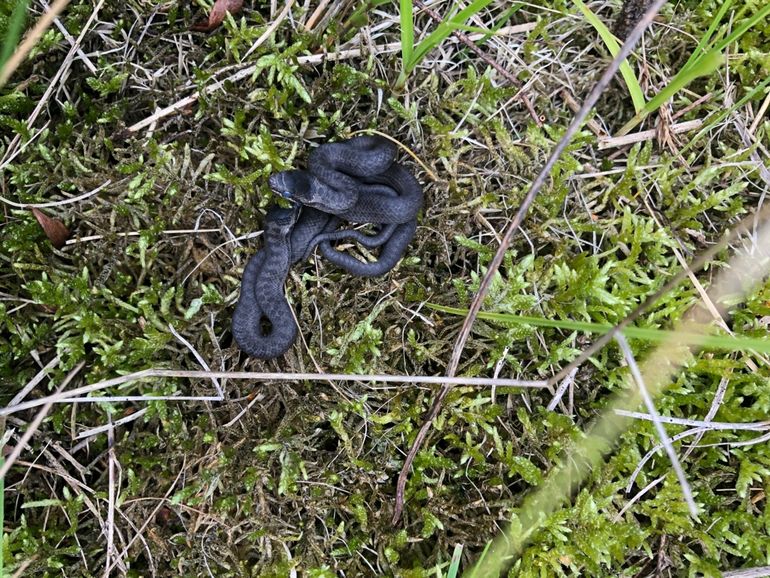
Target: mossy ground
pixel 305 478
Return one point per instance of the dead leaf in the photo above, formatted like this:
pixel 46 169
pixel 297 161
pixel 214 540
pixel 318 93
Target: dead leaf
pixel 217 14
pixel 54 229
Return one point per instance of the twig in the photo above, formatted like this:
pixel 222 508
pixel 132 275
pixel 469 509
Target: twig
pixel 537 184
pixel 258 376
pixel 662 435
pixel 607 142
pixel 69 38
pixel 565 383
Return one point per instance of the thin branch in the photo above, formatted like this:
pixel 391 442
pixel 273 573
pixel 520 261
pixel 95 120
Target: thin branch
pixel 534 189
pixel 259 376
pixel 606 142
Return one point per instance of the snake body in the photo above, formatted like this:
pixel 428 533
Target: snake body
pixel 263 324
pixel 355 180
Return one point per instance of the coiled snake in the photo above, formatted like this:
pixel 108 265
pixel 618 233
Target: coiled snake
pixel 356 180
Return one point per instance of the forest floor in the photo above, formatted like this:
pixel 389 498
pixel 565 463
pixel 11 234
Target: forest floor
pixel 151 142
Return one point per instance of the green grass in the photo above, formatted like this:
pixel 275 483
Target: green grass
pixel 411 55
pixel 300 476
pixel 11 31
pixel 649 335
pixel 704 60
pixel 637 96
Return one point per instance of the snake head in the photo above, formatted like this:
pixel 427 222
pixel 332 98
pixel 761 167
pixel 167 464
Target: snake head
pixel 292 185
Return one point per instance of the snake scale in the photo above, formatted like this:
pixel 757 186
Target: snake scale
pixel 357 181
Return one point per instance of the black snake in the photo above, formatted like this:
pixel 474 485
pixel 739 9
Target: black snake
pixel 356 180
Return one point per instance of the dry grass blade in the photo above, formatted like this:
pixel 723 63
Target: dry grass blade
pixel 35 423
pixel 490 61
pixel 534 189
pixel 64 396
pixel 63 202
pixel 52 85
pixel 758 572
pixel 32 38
pixel 40 376
pixel 662 435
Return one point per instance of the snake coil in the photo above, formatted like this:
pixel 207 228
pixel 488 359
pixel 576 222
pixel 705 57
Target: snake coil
pixel 356 180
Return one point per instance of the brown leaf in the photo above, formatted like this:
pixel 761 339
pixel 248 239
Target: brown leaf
pixel 54 229
pixel 217 14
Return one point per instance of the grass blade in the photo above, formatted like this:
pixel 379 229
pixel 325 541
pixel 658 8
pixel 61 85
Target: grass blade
pixel 454 567
pixel 704 66
pixel 15 28
pixel 743 28
pixel 407 34
pixel 706 38
pixel 718 118
pixel 444 29
pixel 637 96
pixel 728 343
pixel 504 17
